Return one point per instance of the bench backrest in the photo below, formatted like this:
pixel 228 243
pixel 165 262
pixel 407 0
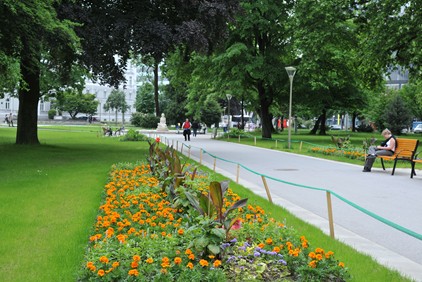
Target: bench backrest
pixel 406 148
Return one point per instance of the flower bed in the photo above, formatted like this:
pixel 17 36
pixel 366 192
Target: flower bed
pixel 348 153
pixel 159 222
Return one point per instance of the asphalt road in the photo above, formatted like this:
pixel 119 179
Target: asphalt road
pixel 394 198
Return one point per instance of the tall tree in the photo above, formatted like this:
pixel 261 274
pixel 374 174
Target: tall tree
pixel 327 43
pixel 144 101
pixel 28 30
pixel 75 102
pixel 117 102
pixel 145 27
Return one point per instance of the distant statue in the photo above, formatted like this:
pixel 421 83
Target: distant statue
pixel 162 126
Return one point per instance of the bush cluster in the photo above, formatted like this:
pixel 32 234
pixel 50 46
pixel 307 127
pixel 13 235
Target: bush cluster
pixel 148 121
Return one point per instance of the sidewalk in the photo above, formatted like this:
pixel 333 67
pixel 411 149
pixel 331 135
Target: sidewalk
pixel 395 198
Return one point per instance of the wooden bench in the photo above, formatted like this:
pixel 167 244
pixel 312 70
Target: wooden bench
pixel 415 161
pixel 405 151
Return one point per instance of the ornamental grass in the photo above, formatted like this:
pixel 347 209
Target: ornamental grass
pixel 164 221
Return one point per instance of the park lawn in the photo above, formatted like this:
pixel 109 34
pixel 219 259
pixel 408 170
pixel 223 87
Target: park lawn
pixel 50 196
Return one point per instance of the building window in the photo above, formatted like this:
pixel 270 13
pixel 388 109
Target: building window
pixel 7 106
pixel 105 94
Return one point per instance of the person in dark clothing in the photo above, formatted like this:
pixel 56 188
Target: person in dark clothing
pixel 195 127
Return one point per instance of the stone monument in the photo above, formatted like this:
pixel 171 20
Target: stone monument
pixel 162 126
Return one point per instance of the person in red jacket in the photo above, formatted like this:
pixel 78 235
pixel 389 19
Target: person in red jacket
pixel 186 129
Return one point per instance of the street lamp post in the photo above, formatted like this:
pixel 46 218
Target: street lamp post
pixel 229 97
pixel 291 73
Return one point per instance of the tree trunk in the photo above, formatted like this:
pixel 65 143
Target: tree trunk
pixel 265 112
pixel 322 129
pixel 29 95
pixel 354 116
pixel 116 116
pixel 316 126
pixel 157 106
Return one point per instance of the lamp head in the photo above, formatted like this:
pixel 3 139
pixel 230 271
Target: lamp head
pixel 291 71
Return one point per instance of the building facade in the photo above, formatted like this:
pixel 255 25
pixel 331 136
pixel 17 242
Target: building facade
pixel 10 103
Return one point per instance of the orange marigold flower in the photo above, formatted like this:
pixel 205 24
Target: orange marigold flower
pixel 313 264
pixel 329 254
pixel 312 255
pixel 115 264
pixel 133 272
pixel 203 263
pixel 177 260
pixel 104 259
pixel 191 256
pixel 217 263
pixel 136 258
pixel 276 249
pixel 101 272
pixel 149 260
pixel 261 245
pixel 341 264
pixel 180 231
pixel 318 257
pixel 269 241
pixel 189 265
pixel 188 252
pixel 319 251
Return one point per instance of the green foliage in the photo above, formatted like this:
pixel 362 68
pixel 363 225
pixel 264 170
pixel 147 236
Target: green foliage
pixel 75 102
pixel 144 120
pixel 397 115
pixel 211 112
pixel 51 113
pixel 133 135
pixel 116 101
pixel 145 99
pixel 341 142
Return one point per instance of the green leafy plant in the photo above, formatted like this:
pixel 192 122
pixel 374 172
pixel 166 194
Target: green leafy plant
pixel 212 205
pixel 341 142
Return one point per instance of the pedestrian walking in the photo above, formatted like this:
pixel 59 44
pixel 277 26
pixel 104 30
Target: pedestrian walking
pixel 195 127
pixel 11 119
pixel 186 129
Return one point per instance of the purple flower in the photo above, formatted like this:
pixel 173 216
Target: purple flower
pixel 256 254
pixel 282 261
pixel 233 241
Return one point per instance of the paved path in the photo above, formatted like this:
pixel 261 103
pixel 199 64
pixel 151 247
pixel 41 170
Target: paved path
pixel 396 198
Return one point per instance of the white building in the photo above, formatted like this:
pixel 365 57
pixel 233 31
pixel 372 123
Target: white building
pixel 10 104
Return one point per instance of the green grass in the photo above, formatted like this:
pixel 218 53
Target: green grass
pixel 50 195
